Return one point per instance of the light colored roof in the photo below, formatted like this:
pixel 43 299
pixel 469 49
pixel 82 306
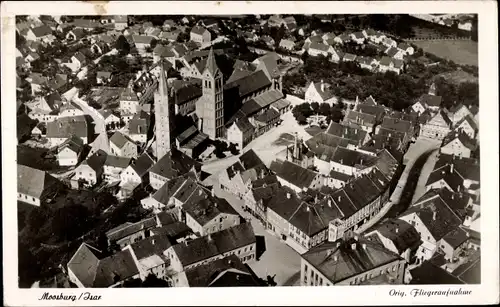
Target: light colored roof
pixel 33 182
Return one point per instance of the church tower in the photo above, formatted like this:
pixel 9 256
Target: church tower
pixel 210 107
pixel 162 115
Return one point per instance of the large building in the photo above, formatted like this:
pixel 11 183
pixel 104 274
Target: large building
pixel 210 107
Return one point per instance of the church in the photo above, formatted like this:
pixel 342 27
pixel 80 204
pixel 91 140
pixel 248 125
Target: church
pixel 235 111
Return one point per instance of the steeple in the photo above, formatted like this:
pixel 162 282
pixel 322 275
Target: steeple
pixel 163 112
pixel 211 64
pixel 162 86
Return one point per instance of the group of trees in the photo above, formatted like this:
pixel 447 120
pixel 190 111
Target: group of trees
pixel 304 110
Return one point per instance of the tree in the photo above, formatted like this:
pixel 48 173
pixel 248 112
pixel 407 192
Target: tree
pixel 301 119
pixel 70 221
pixel 122 45
pixel 324 109
pixel 355 21
pixel 315 107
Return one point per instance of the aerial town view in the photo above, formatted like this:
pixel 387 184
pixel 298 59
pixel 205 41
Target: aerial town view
pixel 247 150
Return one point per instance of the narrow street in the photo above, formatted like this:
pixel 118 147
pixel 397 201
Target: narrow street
pixel 277 258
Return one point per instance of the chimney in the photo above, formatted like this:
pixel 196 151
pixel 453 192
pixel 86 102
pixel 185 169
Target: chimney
pixel 322 85
pixel 213 194
pixel 308 209
pixel 452 196
pixel 338 244
pixel 451 168
pixel 335 258
pixel 434 215
pixel 329 202
pixel 229 262
pixel 237 277
pixel 339 198
pixel 363 245
pixel 209 237
pixel 397 229
pixel 200 192
pixel 361 162
pixel 467 234
pixel 288 195
pixel 356 237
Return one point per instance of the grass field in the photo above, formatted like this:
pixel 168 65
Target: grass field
pixel 458 51
pixel 459 76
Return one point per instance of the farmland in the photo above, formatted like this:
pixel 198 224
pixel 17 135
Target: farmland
pixel 462 52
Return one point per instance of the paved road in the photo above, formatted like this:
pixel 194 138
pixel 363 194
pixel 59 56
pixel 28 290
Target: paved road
pixel 278 258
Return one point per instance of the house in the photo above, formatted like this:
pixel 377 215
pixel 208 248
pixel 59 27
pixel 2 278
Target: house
pixel 121 22
pixel 349 57
pixel 319 92
pixel 437 127
pixel 89 269
pixel 128 101
pixel 331 263
pixel 395 53
pixel 138 127
pixel 389 64
pixel 225 272
pixel 206 214
pixel 153 32
pixel 397 236
pixel 142 42
pixel 389 42
pixel 61 129
pixel 86 24
pixel 364 121
pixel 37 81
pixel 431 102
pixel 296 177
pixel 458 144
pixel 200 35
pixel 70 109
pixel 319 48
pixel 454 174
pixel 90 171
pixel 35 186
pixel 358 38
pixel 434 217
pixel 465 25
pixel 78 61
pixel 238 240
pixel 282 106
pixel 113 166
pixel 342 39
pixel 135 174
pixel 468 126
pixel 373 36
pixel 458 113
pixel 406 48
pixel 357 135
pixel 175 163
pixel 237 178
pixel 40 130
pixel 122 145
pixel 41 34
pixel 48 104
pixel 75 34
pixel 103 77
pixel 129 233
pixel 32 56
pixel 70 151
pixel 287 44
pixel 168 24
pixel 367 62
pixel 241 132
pixel 428 273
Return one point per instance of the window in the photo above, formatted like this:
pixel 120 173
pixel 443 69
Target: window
pixel 33 198
pixel 251 247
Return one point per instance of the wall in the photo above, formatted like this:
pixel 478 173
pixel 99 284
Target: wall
pixel 67 157
pixel 276 223
pixel 28 199
pixel 87 173
pixel 156 181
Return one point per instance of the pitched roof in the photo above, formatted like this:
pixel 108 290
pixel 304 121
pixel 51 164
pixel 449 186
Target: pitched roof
pixel 470 121
pixel 33 182
pixel 431 100
pixel 359 118
pixel 214 244
pixel 41 31
pixel 470 272
pixel 462 137
pixel 350 158
pixel 203 208
pixel 243 124
pixel 116 161
pixel 142 165
pixel 325 94
pixel 199 30
pixel 346 132
pixel 65 127
pixel 293 173
pixel 120 140
pixel 74 143
pixel 96 161
pixel 456 237
pixel 430 274
pixel 225 272
pixel 173 164
pixel 151 246
pixel 436 216
pixel 338 261
pixel 117 267
pixel 453 179
pixel 142 39
pixel 403 235
pixel 86 23
pixel 396 124
pixel 267 116
pixel 250 84
pixel 129 229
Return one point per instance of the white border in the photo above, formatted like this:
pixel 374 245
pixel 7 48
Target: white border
pixel 487 292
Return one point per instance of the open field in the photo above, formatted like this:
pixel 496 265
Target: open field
pixel 459 76
pixel 460 51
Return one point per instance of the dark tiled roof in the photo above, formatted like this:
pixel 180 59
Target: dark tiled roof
pixel 243 124
pixel 267 116
pixel 351 158
pixel 346 132
pixel 431 100
pixel 226 272
pixel 470 272
pixel 198 30
pixel 471 122
pixel 187 93
pixel 360 118
pixel 250 83
pixel 396 124
pixel 116 161
pixel 97 160
pixel 215 244
pixel 119 139
pixel 41 31
pixel 154 245
pixel 340 262
pixel 403 235
pixel 453 179
pixel 250 159
pixel 468 168
pixel 33 182
pixel 462 137
pixel 84 264
pixel 456 237
pixel 131 229
pixel 429 274
pixel 173 231
pixel 204 208
pixel 293 173
pixel 117 267
pixel 67 126
pixel 142 165
pixel 173 164
pixel 313 218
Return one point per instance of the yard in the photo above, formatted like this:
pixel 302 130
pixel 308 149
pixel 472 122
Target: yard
pixel 464 52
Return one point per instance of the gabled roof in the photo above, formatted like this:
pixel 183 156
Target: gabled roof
pixel 142 39
pixel 65 127
pixel 80 57
pixel 199 30
pixel 430 274
pixel 403 235
pixel 452 178
pixel 96 161
pixel 117 161
pixel 142 165
pixel 470 121
pixel 214 244
pixel 431 100
pixel 325 94
pixel 173 164
pixel 130 229
pixel 203 208
pixel 74 143
pixel 41 31
pixel 338 261
pixel 33 182
pixel 293 173
pixel 462 137
pixel 250 84
pixel 119 139
pixel 346 132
